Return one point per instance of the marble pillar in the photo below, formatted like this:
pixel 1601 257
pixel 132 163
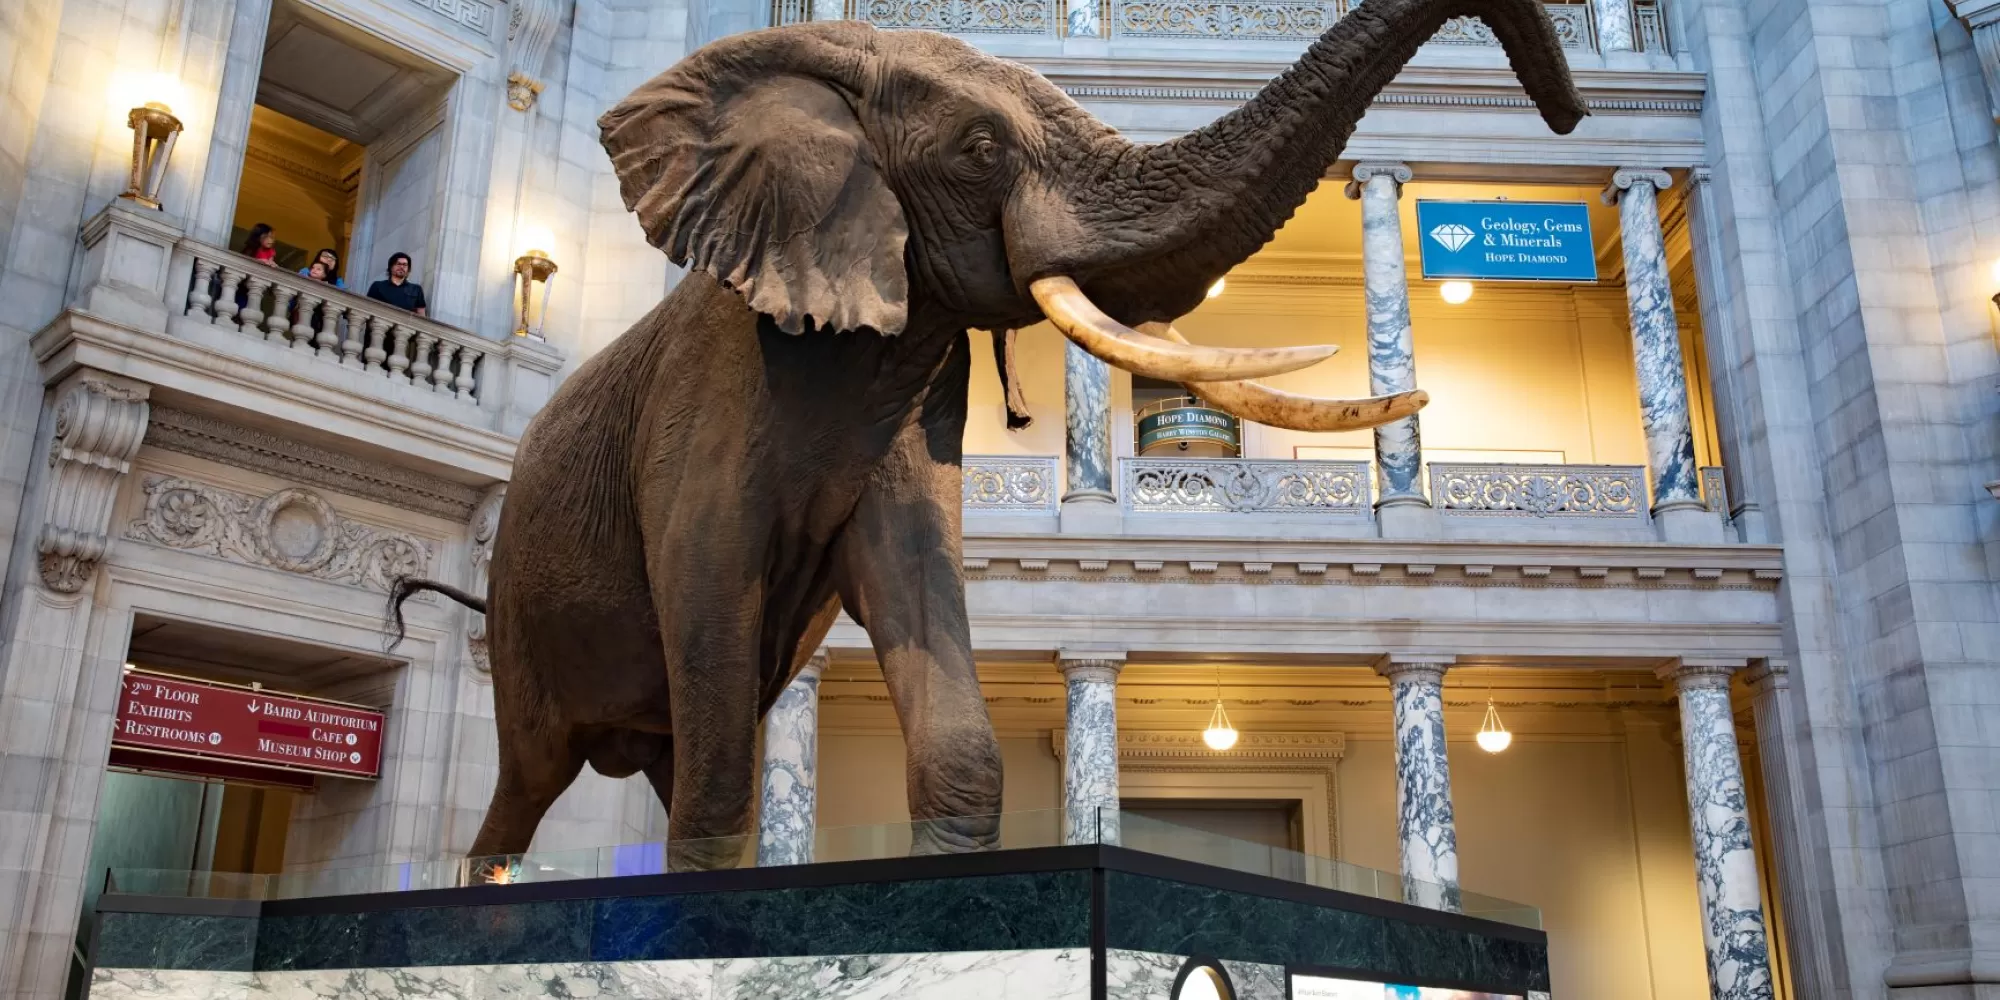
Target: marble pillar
pixel 1423 780
pixel 829 10
pixel 1614 25
pixel 1090 747
pixel 1083 19
pixel 1392 362
pixel 786 806
pixel 1088 503
pixel 1732 908
pixel 1656 341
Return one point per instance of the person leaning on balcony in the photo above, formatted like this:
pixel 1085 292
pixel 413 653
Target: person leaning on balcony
pixel 329 264
pixel 397 289
pixel 262 243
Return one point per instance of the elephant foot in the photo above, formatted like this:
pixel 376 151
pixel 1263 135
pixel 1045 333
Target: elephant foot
pixel 954 835
pixel 707 854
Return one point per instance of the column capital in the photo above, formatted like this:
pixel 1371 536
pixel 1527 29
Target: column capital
pixel 1769 675
pixel 1700 174
pixel 1090 665
pixel 816 665
pixel 1368 170
pixel 1415 666
pixel 1623 179
pixel 100 422
pixel 1694 672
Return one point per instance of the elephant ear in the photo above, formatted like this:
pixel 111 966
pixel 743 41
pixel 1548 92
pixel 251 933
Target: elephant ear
pixel 747 161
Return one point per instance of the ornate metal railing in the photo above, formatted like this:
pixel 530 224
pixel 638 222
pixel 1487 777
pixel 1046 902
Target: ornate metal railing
pixel 1256 20
pixel 1246 486
pixel 320 321
pixel 1650 23
pixel 1714 490
pixel 1016 484
pixel 1572 21
pixel 1606 491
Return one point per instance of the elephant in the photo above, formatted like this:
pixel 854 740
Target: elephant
pixel 780 438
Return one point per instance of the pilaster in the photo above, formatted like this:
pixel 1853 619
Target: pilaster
pixel 58 674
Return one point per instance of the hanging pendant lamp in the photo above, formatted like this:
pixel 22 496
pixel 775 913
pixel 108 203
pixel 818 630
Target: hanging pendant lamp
pixel 1219 735
pixel 1493 737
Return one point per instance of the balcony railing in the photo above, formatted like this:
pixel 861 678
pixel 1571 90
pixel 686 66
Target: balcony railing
pixel 1554 491
pixel 1236 485
pixel 1233 20
pixel 1011 484
pixel 1650 23
pixel 319 321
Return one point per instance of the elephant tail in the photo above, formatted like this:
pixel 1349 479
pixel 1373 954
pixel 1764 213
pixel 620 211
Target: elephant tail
pixel 405 587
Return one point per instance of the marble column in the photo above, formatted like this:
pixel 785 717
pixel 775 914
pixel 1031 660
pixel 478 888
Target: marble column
pixel 1656 341
pixel 1090 747
pixel 786 807
pixel 1083 20
pixel 1086 441
pixel 1614 25
pixel 1392 361
pixel 1732 908
pixel 829 10
pixel 1423 780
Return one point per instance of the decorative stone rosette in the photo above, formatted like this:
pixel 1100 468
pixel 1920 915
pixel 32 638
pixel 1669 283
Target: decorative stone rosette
pixel 293 530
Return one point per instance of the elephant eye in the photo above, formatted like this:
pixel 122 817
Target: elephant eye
pixel 981 150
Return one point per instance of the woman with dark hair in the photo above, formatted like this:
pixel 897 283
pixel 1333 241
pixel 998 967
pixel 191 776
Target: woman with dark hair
pixel 262 243
pixel 329 263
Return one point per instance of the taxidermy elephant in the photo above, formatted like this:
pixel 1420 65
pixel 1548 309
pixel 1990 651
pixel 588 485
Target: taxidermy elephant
pixel 781 436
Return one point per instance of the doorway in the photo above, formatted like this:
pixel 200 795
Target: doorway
pixel 1274 823
pixel 347 150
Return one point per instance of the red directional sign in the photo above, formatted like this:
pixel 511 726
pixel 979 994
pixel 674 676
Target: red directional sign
pixel 199 719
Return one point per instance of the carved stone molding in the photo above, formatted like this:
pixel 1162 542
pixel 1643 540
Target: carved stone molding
pixel 485 527
pixel 100 424
pixel 531 26
pixel 261 451
pixel 293 530
pixel 1271 752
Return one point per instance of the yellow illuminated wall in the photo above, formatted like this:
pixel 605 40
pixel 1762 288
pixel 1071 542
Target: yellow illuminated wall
pixel 1536 372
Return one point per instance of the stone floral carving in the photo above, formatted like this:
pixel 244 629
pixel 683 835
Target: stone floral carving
pixel 100 424
pixel 293 530
pixel 1539 490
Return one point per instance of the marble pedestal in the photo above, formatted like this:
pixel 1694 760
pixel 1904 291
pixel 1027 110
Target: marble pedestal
pixel 1053 923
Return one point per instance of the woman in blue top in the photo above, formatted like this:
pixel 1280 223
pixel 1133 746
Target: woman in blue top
pixel 331 261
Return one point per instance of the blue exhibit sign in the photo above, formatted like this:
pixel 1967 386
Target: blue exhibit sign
pixel 1506 240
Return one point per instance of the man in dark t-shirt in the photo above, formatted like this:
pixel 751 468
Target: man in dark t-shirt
pixel 397 289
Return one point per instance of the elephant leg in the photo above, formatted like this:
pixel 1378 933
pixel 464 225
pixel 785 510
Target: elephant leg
pixel 703 587
pixel 900 577
pixel 536 766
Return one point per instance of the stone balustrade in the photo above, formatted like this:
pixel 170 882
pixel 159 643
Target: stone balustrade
pixel 1011 484
pixel 1237 485
pixel 1541 491
pixel 1234 20
pixel 316 320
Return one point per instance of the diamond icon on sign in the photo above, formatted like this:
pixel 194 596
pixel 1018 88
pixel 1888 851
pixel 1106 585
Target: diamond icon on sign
pixel 354 758
pixel 1453 236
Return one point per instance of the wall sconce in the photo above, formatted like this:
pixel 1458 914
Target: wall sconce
pixel 533 269
pixel 1493 737
pixel 154 129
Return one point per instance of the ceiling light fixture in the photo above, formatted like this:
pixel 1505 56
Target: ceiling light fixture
pixel 1219 735
pixel 1456 292
pixel 1493 737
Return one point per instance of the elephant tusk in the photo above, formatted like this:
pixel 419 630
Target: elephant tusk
pixel 1113 342
pixel 1291 411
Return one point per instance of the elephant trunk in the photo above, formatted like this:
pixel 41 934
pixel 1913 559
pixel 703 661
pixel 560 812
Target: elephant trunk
pixel 1212 197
